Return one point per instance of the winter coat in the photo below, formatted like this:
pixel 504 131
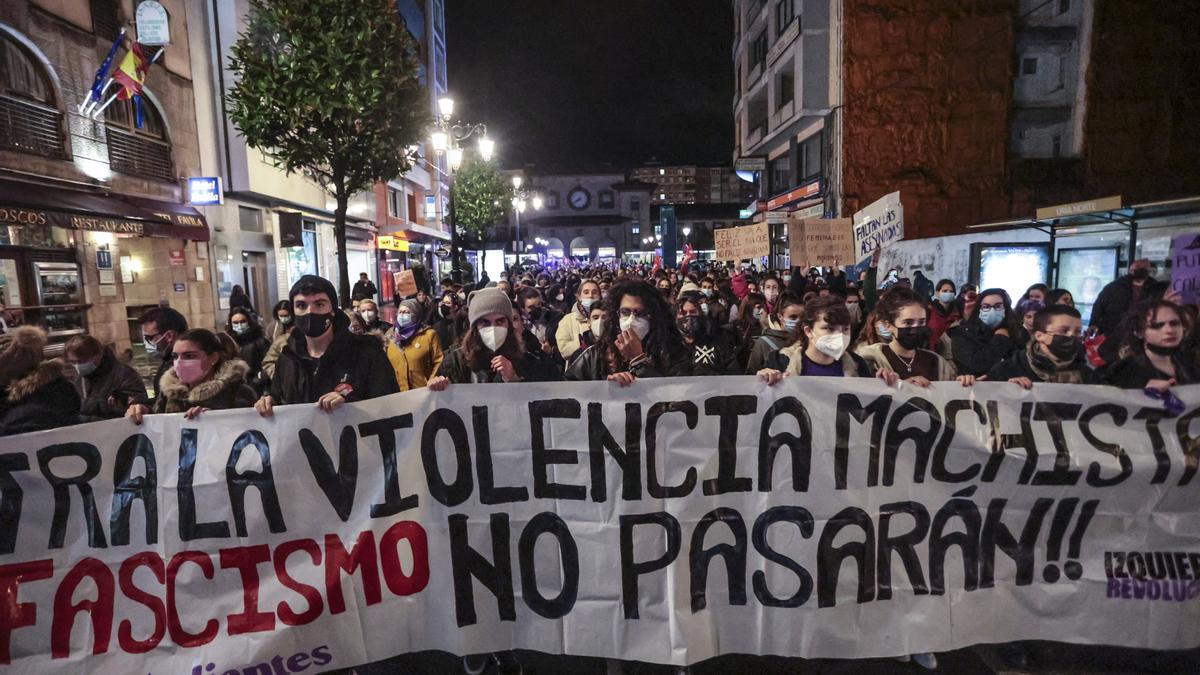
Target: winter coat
pixel 1116 298
pixel 42 399
pixel 570 327
pixel 714 354
pixel 1018 365
pixel 977 349
pixel 417 360
pixel 874 356
pixel 941 320
pixel 252 348
pixel 354 364
pixel 111 379
pixel 1135 372
pixel 271 357
pixel 225 388
pixel 457 369
pixel 363 290
pixel 592 365
pixel 791 360
pixel 771 341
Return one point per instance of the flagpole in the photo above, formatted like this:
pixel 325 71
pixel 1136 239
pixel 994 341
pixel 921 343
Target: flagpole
pixel 96 113
pixel 93 97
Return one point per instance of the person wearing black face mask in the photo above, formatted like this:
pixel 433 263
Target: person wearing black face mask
pixel 1054 354
pixel 903 315
pixel 323 362
pixel 710 350
pixel 543 319
pixel 1114 301
pixel 1156 359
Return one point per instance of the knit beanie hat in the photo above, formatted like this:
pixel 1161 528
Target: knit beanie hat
pixel 314 284
pixel 488 301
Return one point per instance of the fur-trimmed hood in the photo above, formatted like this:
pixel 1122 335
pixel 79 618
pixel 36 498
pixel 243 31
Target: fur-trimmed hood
pixel 229 373
pixel 45 373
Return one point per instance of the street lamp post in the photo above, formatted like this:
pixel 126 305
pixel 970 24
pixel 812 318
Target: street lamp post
pixel 447 139
pixel 522 197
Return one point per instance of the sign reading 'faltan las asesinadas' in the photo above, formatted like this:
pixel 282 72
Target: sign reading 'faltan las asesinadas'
pixel 668 522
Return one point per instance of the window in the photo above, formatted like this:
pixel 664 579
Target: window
pixel 1029 66
pixel 105 21
pixel 412 206
pixel 1056 145
pixel 785 88
pixel 785 11
pixel 1064 6
pixel 250 220
pixel 135 151
pixel 552 199
pixel 781 176
pixel 394 203
pixel 810 158
pixel 635 205
pixel 606 199
pixel 636 229
pixel 758 50
pixel 30 119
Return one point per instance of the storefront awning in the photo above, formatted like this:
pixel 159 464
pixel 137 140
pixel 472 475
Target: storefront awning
pixel 35 205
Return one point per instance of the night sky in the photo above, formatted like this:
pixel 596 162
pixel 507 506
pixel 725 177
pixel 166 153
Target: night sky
pixel 575 84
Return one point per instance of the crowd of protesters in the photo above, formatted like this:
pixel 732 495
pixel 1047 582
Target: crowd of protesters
pixel 618 323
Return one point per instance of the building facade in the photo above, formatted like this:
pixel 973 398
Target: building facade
pixel 273 227
pixel 976 112
pixel 691 184
pixel 94 228
pixel 412 210
pixel 583 216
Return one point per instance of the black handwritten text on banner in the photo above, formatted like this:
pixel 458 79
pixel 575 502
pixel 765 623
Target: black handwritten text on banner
pixel 666 523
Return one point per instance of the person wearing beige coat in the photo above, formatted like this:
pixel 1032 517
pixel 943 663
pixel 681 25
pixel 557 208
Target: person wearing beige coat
pixel 576 323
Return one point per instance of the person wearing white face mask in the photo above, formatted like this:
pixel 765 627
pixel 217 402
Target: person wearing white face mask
pixel 491 351
pixel 821 347
pixel 644 343
pixel 572 326
pixel 413 348
pixel 369 311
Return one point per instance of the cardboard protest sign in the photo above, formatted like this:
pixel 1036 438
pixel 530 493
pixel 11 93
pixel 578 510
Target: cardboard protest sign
pixel 406 283
pixel 1185 267
pixel 878 225
pixel 744 242
pixel 821 242
pixel 822 517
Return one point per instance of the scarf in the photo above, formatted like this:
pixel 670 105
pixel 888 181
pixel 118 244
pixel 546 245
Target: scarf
pixel 402 335
pixel 1050 369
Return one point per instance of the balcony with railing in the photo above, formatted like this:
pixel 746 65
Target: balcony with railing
pixel 138 155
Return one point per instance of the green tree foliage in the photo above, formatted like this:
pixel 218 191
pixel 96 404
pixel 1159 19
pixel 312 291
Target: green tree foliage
pixel 481 196
pixel 329 89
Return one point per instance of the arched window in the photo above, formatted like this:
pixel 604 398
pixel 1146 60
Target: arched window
pixel 30 117
pixel 138 151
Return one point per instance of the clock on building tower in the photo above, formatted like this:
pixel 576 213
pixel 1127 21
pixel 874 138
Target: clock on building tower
pixel 579 199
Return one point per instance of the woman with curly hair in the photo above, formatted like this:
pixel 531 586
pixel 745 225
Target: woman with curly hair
pixel 644 343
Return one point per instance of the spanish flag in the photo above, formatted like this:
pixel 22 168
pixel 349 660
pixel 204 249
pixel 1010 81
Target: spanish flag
pixel 131 73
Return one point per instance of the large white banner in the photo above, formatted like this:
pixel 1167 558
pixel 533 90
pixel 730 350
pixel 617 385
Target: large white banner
pixel 668 522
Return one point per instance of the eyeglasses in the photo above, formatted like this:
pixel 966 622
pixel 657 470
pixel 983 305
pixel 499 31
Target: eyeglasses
pixel 998 305
pixel 626 313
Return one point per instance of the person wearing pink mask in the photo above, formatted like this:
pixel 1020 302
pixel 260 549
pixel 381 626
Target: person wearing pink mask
pixel 204 376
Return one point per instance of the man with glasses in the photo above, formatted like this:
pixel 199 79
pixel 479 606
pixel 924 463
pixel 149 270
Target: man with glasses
pixel 160 327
